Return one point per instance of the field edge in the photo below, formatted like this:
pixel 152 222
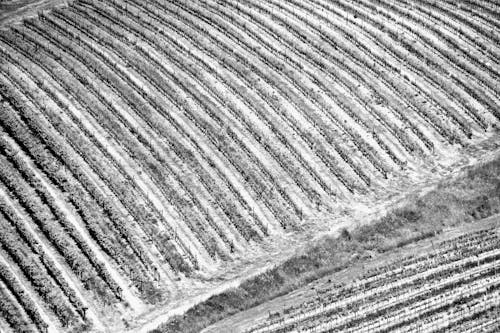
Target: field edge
pixel 472 195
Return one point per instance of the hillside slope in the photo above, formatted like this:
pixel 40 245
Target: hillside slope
pixel 154 152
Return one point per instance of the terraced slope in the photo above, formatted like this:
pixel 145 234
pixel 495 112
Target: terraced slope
pixel 152 150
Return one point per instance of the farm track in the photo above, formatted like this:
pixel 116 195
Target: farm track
pixel 151 150
pixel 447 283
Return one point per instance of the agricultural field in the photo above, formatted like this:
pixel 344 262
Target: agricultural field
pixel 448 283
pixel 156 153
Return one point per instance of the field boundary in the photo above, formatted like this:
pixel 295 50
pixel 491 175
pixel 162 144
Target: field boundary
pixel 471 196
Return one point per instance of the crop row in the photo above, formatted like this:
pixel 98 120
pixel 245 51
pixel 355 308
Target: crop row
pixel 464 265
pixel 21 132
pixel 282 81
pixel 223 140
pixel 35 247
pixel 96 224
pixel 38 277
pixel 359 61
pixel 54 224
pixel 128 142
pixel 374 59
pixel 180 150
pixel 91 155
pixel 214 52
pixel 467 71
pixel 345 105
pixel 235 88
pixel 137 64
pixel 14 301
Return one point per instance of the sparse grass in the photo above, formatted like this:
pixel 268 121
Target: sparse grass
pixel 473 195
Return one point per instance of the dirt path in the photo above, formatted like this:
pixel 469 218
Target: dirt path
pixel 153 320
pixel 244 320
pixel 276 249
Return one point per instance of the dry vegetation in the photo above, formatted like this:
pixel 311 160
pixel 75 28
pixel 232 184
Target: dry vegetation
pixel 451 287
pixel 156 151
pixel 460 203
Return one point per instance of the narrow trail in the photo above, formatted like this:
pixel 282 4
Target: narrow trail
pixel 242 321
